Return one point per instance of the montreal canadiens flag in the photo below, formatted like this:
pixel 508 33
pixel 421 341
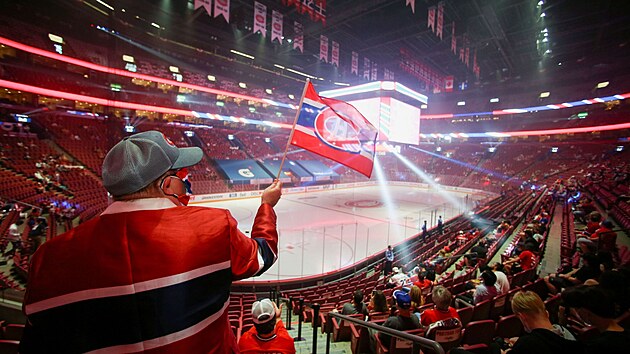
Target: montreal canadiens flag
pixel 336 130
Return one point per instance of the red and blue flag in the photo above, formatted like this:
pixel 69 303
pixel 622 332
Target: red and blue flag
pixel 336 130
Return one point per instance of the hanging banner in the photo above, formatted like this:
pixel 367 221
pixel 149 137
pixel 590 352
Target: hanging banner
pixel 440 19
pixel 222 8
pixel 276 26
pixel 298 41
pixel 448 83
pixel 453 40
pixel 461 54
pixel 467 56
pixel 334 59
pixel 354 68
pixel 207 4
pixel 431 18
pixel 260 18
pixel 366 68
pixel 323 48
pixel 315 8
pixel 419 70
pixel 413 5
pixel 374 72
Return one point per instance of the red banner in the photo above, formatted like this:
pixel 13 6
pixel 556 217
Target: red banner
pixel 334 58
pixel 413 5
pixel 374 71
pixel 323 48
pixel 431 18
pixel 467 56
pixel 222 8
pixel 298 41
pixel 440 19
pixel 453 40
pixel 354 68
pixel 448 83
pixel 366 68
pixel 260 18
pixel 207 5
pixel 420 70
pixel 276 26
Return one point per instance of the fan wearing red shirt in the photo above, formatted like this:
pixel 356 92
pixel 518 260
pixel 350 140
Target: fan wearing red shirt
pixel 525 261
pixel 442 299
pixel 268 334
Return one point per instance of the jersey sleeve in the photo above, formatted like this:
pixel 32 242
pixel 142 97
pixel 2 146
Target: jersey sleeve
pixel 253 256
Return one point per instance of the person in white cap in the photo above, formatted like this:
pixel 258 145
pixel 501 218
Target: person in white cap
pixel 149 273
pixel 268 335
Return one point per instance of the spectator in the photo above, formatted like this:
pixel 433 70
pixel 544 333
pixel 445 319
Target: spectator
pixel 357 305
pixel 595 306
pixel 15 237
pixel 442 309
pixel 403 321
pixel 422 282
pixel 417 299
pixel 503 284
pixel 161 269
pixel 594 219
pixel 425 232
pixel 440 225
pixel 378 302
pixel 487 289
pixel 389 261
pixel 524 261
pixel 268 335
pixel 588 270
pixel 542 337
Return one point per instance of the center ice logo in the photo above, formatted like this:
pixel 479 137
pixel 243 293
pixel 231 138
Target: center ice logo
pixel 337 132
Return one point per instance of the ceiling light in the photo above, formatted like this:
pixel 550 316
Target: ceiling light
pixel 548 51
pixel 544 94
pixel 291 96
pixel 242 54
pixel 544 30
pixel 242 85
pixel 494 100
pixel 542 14
pixel 545 40
pixel 269 92
pixel 278 66
pixel 602 84
pixel 128 58
pixel 155 25
pixel 461 103
pixel 424 106
pixel 212 78
pixel 540 3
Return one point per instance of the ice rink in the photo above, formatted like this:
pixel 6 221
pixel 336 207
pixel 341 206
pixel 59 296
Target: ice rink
pixel 327 230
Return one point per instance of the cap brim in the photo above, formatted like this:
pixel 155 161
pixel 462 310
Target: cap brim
pixel 188 157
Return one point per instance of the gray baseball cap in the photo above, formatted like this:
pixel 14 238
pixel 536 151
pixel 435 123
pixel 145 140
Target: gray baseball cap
pixel 140 159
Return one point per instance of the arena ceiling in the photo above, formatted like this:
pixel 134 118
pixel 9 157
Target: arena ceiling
pixel 513 41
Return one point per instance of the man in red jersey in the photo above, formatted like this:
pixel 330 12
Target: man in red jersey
pixel 268 334
pixel 150 274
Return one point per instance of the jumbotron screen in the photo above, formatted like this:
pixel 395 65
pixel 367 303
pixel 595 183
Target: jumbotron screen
pixel 396 121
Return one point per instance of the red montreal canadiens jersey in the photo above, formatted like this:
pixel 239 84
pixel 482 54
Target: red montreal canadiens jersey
pixel 155 278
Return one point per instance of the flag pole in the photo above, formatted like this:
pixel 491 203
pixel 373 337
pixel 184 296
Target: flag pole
pixel 297 114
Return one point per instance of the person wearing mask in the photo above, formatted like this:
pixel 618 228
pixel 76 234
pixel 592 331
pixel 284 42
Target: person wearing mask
pixel 150 272
pixel 268 335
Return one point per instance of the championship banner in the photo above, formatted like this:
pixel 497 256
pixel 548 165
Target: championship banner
pixel 413 5
pixel 453 40
pixel 374 71
pixel 323 48
pixel 298 41
pixel 334 59
pixel 276 26
pixel 431 18
pixel 475 59
pixel 467 56
pixel 207 4
pixel 440 19
pixel 354 68
pixel 260 18
pixel 461 54
pixel 222 8
pixel 336 130
pixel 448 83
pixel 366 68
